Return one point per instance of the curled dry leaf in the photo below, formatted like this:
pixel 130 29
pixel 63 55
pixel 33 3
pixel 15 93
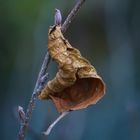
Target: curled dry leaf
pixel 77 84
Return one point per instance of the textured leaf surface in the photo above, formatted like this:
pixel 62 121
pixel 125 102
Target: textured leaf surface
pixel 77 84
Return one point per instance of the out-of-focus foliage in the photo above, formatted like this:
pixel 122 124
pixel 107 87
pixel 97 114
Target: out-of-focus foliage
pixel 106 32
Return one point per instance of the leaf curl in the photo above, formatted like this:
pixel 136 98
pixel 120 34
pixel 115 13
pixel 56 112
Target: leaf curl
pixel 76 84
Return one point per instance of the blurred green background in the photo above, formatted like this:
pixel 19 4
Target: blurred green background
pixel 106 32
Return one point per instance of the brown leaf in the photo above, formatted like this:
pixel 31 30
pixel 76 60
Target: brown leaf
pixel 77 84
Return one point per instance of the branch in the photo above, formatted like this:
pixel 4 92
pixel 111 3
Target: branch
pixel 72 14
pixel 25 122
pixel 42 73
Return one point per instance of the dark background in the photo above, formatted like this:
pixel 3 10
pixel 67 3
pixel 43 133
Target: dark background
pixel 106 32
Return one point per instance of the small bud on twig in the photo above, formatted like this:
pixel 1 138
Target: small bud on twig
pixel 21 114
pixel 57 17
pixel 44 78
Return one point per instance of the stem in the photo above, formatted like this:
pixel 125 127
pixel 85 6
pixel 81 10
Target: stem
pixel 47 132
pixel 31 105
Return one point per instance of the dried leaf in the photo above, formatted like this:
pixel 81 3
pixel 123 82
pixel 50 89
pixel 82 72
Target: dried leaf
pixel 77 84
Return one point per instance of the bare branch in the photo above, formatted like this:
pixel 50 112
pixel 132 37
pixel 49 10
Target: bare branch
pixel 72 14
pixel 24 126
pixel 43 71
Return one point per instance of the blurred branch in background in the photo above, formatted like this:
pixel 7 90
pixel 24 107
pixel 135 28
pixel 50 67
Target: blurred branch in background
pixel 25 120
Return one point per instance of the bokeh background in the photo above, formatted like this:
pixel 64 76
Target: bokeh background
pixel 107 32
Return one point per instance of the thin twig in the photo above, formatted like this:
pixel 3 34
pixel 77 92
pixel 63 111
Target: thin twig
pixel 43 71
pixel 72 14
pixel 24 126
pixel 47 132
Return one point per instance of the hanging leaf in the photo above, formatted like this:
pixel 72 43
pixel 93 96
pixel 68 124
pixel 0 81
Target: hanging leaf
pixel 77 84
